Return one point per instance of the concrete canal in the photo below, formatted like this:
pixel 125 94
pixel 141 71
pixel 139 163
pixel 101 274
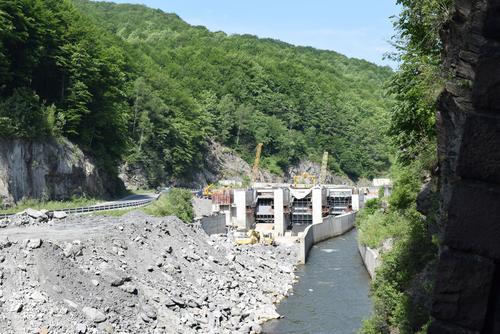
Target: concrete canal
pixel 332 294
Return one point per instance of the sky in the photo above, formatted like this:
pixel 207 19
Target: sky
pixel 356 28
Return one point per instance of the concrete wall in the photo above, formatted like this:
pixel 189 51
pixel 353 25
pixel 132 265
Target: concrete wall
pixel 243 218
pixel 370 258
pixel 214 224
pixel 329 228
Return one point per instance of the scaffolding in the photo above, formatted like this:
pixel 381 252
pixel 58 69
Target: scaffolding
pixel 338 203
pixel 302 210
pixel 264 211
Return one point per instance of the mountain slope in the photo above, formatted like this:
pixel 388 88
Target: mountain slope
pixel 297 101
pixel 129 83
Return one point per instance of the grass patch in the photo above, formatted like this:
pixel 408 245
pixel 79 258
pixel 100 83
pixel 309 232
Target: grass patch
pixel 375 228
pixel 140 191
pixel 51 205
pixel 114 213
pixel 176 202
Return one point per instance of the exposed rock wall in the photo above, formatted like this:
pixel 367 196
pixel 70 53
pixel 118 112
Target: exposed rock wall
pixel 133 176
pixel 467 289
pixel 47 169
pixel 314 168
pixel 223 163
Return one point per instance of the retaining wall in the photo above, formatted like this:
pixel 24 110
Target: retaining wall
pixel 329 228
pixel 370 258
pixel 215 224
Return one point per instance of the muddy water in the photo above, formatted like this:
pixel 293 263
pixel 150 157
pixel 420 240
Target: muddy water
pixel 332 294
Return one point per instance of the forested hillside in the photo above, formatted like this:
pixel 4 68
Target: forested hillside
pixel 131 83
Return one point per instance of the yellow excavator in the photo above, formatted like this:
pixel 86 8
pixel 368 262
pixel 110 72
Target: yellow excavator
pixel 250 238
pixel 253 237
pixel 208 191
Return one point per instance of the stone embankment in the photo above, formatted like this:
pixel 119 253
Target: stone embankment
pixel 136 274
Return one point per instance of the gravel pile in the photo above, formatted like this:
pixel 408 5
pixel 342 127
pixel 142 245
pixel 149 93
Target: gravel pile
pixel 138 274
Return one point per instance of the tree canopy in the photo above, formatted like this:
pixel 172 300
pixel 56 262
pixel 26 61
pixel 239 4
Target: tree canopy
pixel 131 83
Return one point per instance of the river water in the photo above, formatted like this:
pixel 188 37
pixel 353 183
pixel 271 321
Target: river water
pixel 331 296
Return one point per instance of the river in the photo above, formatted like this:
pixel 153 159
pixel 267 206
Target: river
pixel 331 296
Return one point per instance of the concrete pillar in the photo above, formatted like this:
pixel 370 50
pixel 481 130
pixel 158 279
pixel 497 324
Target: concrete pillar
pixel 279 212
pixel 317 205
pixel 242 216
pixel 240 208
pixel 355 202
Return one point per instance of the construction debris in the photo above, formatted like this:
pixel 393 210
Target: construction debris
pixel 137 274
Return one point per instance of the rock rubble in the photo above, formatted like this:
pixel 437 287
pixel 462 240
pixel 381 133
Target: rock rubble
pixel 31 217
pixel 141 275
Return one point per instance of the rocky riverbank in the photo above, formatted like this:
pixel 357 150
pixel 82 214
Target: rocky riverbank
pixel 136 274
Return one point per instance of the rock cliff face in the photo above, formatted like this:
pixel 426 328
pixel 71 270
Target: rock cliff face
pixel 314 168
pixel 47 169
pixel 222 163
pixel 467 288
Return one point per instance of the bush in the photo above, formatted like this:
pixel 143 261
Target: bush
pixel 371 206
pixel 177 202
pixel 23 115
pixel 396 287
pixel 401 290
pixel 379 226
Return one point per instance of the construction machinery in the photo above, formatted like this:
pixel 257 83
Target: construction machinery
pixel 305 180
pixel 324 166
pixel 251 237
pixel 256 164
pixel 208 191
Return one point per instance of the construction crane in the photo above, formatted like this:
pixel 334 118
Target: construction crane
pixel 255 169
pixel 324 165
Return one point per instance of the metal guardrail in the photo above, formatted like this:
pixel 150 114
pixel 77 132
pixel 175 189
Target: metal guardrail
pixel 106 207
pixel 96 208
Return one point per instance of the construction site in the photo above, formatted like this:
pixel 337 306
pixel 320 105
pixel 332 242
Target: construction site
pixel 282 211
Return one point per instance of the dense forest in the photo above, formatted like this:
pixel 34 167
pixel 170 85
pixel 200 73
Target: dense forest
pixel 403 285
pixel 129 83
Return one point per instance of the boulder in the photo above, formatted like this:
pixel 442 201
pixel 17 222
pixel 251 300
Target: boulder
pixel 94 315
pixel 266 313
pixel 35 214
pixel 59 214
pixel 129 288
pixel 150 311
pixel 81 328
pixel 73 249
pixel 71 303
pixel 34 243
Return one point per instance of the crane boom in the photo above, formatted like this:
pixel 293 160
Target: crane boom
pixel 324 165
pixel 255 169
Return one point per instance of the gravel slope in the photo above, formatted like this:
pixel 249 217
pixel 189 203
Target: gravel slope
pixel 136 274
